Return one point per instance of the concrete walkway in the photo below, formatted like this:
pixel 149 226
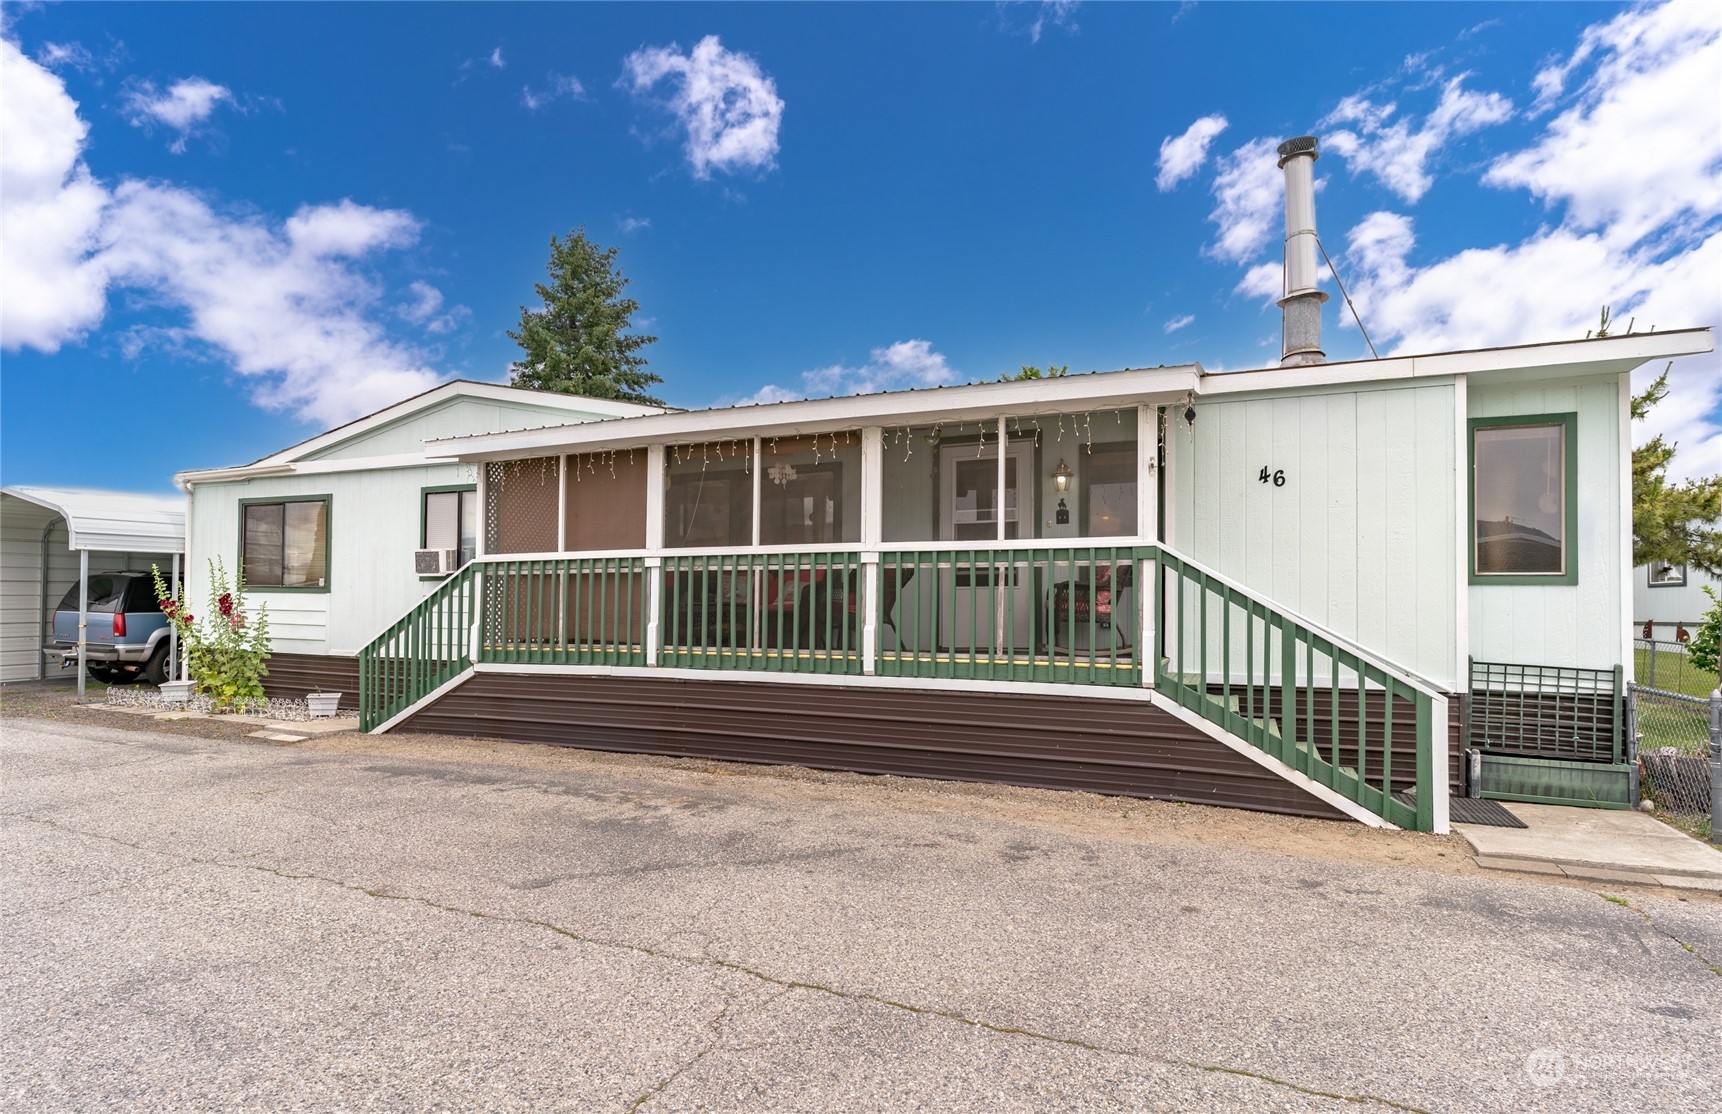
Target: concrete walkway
pixel 1596 844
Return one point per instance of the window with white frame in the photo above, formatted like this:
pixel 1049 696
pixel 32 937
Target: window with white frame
pixel 450 519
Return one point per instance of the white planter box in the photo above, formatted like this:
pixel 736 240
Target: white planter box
pixel 176 693
pixel 323 704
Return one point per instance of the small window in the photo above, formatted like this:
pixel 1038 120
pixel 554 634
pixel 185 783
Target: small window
pixel 286 544
pixel 1665 575
pixel 450 521
pixel 1523 500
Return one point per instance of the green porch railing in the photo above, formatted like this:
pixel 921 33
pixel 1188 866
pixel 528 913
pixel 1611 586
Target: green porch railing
pixel 429 646
pixel 565 611
pixel 1349 722
pixel 772 612
pixel 1063 615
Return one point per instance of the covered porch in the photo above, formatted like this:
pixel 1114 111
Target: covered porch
pixel 996 537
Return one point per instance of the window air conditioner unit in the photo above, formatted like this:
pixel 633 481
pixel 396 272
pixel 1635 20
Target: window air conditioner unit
pixel 435 562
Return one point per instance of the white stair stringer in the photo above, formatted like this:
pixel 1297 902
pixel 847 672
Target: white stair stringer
pixel 1268 762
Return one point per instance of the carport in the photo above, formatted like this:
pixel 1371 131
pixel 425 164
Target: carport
pixel 50 539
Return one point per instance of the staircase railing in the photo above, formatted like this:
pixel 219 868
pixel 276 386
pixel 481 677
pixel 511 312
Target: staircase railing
pixel 1346 718
pixel 427 647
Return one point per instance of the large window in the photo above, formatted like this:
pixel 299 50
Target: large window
pixel 1524 501
pixel 449 520
pixel 285 544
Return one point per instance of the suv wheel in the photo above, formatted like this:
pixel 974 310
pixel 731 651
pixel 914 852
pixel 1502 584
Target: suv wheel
pixel 154 671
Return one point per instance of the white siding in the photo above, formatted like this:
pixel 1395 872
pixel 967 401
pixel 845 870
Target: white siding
pixel 373 530
pixel 1360 539
pixel 1686 604
pixel 1574 625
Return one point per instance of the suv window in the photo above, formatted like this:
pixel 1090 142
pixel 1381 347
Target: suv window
pixel 141 600
pixel 105 592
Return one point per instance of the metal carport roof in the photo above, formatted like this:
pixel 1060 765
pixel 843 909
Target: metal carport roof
pixel 113 520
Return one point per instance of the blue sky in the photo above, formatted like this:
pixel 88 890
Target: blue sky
pixel 230 226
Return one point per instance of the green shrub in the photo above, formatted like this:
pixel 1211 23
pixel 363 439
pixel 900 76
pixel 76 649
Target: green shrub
pixel 1706 644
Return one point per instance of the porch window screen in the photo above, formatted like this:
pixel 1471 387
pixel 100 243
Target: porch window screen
pixel 708 499
pixel 1523 500
pixel 286 544
pixel 810 492
pixel 451 522
pixel 607 500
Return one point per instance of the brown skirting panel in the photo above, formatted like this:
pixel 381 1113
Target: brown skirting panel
pixel 291 676
pixel 1127 748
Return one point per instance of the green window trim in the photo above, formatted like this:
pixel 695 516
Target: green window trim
pixel 1569 478
pixel 328 502
pixel 438 489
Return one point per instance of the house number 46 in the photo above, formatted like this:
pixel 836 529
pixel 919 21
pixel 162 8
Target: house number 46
pixel 1277 477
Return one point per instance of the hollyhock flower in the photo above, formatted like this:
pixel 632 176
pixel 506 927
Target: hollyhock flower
pixel 226 605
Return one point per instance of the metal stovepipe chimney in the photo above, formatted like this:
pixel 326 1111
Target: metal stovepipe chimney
pixel 1300 309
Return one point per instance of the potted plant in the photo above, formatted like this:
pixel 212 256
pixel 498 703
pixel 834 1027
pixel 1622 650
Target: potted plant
pixel 323 704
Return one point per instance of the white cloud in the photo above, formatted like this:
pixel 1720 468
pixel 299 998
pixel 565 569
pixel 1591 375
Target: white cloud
pixel 1057 13
pixel 50 211
pixel 54 55
pixel 1248 194
pixel 1179 322
pixel 425 309
pixel 1398 153
pixel 495 59
pixel 1181 156
pixel 897 367
pixel 1631 168
pixel 631 225
pixel 1265 281
pixel 727 105
pixel 556 87
pixel 182 108
pixel 289 305
pixel 1641 146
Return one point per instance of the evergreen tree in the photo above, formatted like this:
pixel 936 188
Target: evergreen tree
pixel 580 342
pixel 1676 523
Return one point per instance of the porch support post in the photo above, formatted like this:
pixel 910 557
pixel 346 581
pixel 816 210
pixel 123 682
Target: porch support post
pixel 999 506
pixel 654 549
pixel 1439 788
pixel 756 492
pixel 1147 472
pixel 83 618
pixel 872 510
pixel 173 630
pixel 562 503
pixel 478 546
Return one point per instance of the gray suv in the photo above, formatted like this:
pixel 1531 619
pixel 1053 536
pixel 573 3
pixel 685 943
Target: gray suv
pixel 127 638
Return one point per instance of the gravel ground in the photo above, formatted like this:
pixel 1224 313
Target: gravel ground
pixel 196 920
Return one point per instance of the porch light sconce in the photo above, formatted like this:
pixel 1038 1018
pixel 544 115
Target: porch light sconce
pixel 1061 477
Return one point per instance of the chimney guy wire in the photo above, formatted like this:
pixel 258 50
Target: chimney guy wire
pixel 1372 352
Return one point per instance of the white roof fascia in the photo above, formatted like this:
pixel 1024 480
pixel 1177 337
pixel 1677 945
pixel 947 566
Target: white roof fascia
pixel 493 392
pixel 113 520
pixel 970 402
pixel 1604 355
pixel 311 468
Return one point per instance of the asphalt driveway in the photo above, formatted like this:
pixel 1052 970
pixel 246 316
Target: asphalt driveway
pixel 195 923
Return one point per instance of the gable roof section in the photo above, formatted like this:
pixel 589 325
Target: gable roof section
pixel 558 409
pixel 113 520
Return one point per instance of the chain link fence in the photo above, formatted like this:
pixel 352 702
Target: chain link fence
pixel 1674 756
pixel 1663 664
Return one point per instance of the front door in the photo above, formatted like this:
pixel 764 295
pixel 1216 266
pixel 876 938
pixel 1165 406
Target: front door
pixel 969 503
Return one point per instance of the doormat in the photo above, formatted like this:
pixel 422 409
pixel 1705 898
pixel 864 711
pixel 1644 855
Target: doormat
pixel 1471 810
